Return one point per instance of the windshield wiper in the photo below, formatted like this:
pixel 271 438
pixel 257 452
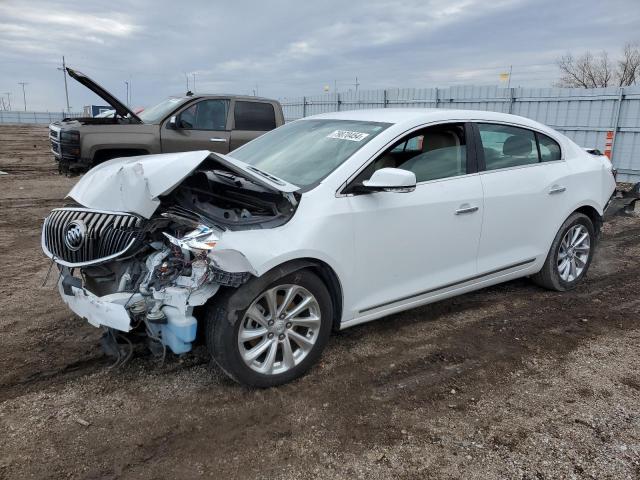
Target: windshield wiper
pixel 268 176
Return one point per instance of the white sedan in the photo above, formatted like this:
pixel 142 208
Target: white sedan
pixel 322 224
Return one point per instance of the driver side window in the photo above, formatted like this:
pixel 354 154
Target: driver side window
pixel 431 153
pixel 205 115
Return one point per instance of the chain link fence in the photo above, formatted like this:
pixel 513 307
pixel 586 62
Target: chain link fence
pixel 35 117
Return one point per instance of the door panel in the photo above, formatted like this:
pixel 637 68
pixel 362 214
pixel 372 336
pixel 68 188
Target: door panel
pixel 524 198
pixel 203 126
pixel 520 213
pixel 407 243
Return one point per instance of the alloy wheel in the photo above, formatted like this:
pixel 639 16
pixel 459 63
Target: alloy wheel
pixel 573 253
pixel 279 329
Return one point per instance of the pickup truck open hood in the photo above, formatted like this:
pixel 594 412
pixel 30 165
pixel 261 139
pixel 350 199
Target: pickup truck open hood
pixel 134 184
pixel 120 108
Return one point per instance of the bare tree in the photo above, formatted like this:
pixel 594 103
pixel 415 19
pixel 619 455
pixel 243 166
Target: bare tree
pixel 589 71
pixel 629 66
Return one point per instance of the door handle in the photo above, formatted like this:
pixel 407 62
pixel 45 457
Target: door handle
pixel 557 189
pixel 218 140
pixel 466 209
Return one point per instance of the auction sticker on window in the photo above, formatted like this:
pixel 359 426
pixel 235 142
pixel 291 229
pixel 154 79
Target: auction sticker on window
pixel 348 135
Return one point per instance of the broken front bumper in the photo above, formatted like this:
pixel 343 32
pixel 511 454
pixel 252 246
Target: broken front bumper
pixel 122 311
pixel 108 311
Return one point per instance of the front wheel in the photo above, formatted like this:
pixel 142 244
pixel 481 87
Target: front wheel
pixel 569 256
pixel 278 336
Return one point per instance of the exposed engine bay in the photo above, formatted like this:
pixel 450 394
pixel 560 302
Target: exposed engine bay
pixel 140 276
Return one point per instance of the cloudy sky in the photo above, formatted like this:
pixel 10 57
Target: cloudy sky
pixel 293 48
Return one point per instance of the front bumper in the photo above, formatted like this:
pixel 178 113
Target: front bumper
pixel 178 329
pixel 108 311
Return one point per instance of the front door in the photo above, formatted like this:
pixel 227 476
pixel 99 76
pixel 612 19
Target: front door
pixel 410 245
pixel 200 126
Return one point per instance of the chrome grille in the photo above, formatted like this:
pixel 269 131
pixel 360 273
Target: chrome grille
pixel 104 235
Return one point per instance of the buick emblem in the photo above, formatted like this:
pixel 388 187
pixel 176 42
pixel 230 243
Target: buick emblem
pixel 74 235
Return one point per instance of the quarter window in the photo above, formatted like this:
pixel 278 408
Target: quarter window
pixel 254 116
pixel 205 115
pixel 549 148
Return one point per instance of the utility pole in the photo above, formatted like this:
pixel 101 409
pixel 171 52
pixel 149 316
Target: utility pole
pixel 66 90
pixel 127 97
pixel 8 94
pixel 24 95
pixel 509 82
pixel 356 84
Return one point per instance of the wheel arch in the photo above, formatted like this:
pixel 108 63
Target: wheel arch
pixel 107 153
pixel 327 274
pixel 239 298
pixel 593 214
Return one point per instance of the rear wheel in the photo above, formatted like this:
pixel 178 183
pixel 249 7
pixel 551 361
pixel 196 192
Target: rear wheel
pixel 570 255
pixel 278 336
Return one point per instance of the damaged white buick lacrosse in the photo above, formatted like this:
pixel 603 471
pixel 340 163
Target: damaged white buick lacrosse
pixel 321 224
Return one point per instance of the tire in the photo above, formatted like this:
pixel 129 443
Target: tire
pixel 247 311
pixel 555 273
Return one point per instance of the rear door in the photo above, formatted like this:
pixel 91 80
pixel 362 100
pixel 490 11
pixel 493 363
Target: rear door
pixel 250 120
pixel 524 179
pixel 201 125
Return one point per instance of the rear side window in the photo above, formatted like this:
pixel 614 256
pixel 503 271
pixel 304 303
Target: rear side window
pixel 549 148
pixel 505 146
pixel 254 116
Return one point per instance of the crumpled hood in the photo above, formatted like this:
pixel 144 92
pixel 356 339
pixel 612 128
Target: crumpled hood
pixel 133 184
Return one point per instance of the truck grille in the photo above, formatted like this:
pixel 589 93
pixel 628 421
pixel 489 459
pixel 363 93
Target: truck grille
pixel 77 237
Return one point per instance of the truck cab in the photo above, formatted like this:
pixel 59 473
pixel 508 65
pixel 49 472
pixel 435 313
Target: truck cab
pixel 219 123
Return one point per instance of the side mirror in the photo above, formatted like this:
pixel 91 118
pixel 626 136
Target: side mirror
pixel 173 123
pixel 391 180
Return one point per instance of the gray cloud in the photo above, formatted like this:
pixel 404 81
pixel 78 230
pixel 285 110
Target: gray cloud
pixel 290 48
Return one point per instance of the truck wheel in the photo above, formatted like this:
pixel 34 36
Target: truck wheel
pixel 278 333
pixel 570 255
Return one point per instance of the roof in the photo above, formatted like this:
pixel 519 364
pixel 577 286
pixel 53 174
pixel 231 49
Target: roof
pixel 231 95
pixel 423 115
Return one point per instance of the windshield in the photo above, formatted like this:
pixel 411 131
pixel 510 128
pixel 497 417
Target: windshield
pixel 156 113
pixel 306 151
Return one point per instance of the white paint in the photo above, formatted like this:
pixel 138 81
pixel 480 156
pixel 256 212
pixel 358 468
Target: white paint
pixel 392 251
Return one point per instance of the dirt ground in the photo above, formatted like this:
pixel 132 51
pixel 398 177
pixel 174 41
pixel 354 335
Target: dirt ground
pixel 508 382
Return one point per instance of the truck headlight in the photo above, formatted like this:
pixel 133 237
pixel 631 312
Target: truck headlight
pixel 72 136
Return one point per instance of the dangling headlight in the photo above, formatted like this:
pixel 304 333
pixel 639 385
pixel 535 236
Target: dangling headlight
pixel 202 238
